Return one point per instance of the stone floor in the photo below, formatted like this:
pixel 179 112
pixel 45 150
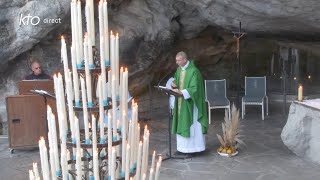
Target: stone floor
pixel 264 157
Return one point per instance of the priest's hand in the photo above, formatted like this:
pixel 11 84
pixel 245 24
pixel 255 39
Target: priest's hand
pixel 173 85
pixel 177 91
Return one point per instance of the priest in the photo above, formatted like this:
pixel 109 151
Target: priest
pixel 190 118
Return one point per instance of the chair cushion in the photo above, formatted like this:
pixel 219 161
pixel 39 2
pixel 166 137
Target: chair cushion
pixel 253 99
pixel 219 102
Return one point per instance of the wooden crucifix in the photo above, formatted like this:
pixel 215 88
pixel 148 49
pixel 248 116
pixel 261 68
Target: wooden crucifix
pixel 238 35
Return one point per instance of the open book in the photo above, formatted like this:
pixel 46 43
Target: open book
pixel 169 91
pixel 42 93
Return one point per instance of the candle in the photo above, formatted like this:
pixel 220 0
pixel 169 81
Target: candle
pixel 130 142
pixel 90 54
pixel 76 28
pixel 121 100
pixel 137 142
pixel 106 32
pixel 63 117
pixel 112 54
pixel 117 62
pixel 95 165
pixel 85 110
pixel 35 170
pixel 31 175
pixel 90 2
pixel 79 47
pixel 101 111
pixel 53 130
pixel 138 172
pixel 127 172
pixel 109 140
pixel 109 84
pixel 88 20
pixel 144 154
pixel 75 77
pixel 101 26
pixel 70 103
pixel 77 132
pixel 124 142
pixel 87 51
pixel 114 107
pixel 144 176
pixel 153 159
pixel 103 75
pixel 125 90
pixel 52 161
pixel 64 56
pixel 64 165
pixel 44 159
pixel 158 168
pixel 94 133
pixel 78 166
pixel 147 151
pixel 151 174
pixel 69 165
pixel 300 93
pixel 113 163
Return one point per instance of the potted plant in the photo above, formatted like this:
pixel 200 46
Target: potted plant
pixel 231 138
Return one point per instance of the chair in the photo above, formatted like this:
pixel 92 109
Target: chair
pixel 255 93
pixel 216 95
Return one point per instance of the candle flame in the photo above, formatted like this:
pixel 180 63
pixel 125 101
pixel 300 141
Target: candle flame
pixel 126 69
pixel 121 69
pixel 62 38
pixel 117 35
pixel 111 33
pixel 92 116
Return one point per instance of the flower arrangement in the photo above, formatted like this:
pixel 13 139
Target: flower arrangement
pixel 231 137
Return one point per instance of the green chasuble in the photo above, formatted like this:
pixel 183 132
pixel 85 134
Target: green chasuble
pixel 193 82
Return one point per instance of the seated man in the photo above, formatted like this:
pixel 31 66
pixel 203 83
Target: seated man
pixel 36 72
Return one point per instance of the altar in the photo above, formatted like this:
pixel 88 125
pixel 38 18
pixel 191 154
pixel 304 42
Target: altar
pixel 301 134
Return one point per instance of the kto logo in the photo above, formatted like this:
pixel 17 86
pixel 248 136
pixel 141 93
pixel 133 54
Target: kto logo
pixel 24 20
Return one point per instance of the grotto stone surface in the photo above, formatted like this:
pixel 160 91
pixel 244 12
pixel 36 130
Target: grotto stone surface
pixel 301 133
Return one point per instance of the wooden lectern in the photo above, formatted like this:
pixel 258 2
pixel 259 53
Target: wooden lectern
pixel 27 113
pixel 26 85
pixel 26 120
